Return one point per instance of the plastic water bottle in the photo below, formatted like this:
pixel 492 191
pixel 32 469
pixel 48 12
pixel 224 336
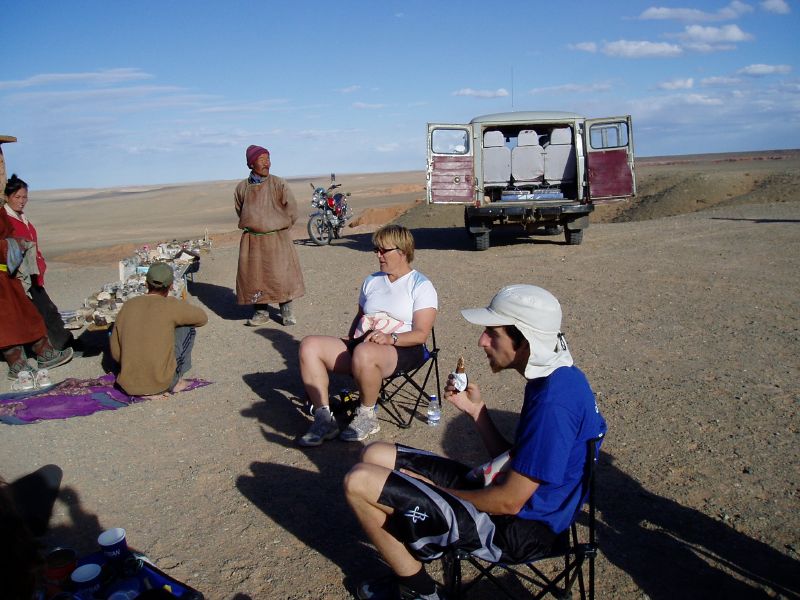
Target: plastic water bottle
pixel 434 411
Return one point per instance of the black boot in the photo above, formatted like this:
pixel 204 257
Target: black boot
pixel 287 318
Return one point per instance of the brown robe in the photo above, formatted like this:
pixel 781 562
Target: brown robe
pixel 269 268
pixel 20 322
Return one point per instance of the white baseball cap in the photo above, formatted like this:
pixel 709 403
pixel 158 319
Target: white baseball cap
pixel 519 304
pixel 537 315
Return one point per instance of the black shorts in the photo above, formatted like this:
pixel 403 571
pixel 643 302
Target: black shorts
pixel 408 357
pixel 429 520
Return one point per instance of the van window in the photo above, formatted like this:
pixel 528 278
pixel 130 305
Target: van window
pixel 450 141
pixel 608 135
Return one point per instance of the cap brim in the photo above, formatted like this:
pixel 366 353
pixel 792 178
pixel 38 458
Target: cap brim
pixel 486 317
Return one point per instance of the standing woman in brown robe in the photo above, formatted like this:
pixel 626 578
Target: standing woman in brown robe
pixel 269 268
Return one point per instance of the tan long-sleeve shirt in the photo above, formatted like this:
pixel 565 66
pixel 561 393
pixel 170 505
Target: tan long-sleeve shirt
pixel 143 341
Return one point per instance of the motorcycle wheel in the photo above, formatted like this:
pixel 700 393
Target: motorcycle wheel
pixel 318 231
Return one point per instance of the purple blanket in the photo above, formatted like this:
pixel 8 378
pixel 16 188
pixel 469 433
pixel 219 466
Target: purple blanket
pixel 69 398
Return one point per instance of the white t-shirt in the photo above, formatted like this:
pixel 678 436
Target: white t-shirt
pixel 399 299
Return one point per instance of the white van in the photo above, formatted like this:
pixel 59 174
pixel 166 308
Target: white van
pixel 539 170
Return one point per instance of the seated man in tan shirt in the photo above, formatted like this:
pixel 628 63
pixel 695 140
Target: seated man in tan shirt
pixel 153 337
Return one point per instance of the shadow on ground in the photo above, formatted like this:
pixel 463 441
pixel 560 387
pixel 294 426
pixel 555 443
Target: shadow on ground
pixel 451 238
pixel 220 300
pixel 310 505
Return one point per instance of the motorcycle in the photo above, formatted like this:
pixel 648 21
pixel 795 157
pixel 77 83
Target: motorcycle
pixel 331 215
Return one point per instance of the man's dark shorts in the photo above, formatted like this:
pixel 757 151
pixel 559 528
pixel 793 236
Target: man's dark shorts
pixel 428 520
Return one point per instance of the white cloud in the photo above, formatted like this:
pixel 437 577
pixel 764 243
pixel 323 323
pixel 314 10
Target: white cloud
pixel 791 87
pixel 677 84
pixel 584 46
pixel 499 93
pixel 732 11
pixel 323 134
pixel 761 70
pixel 699 99
pixel 572 88
pixel 79 98
pixel 391 147
pixel 365 106
pixel 703 47
pixel 719 81
pixel 641 49
pixel 260 106
pixel 349 89
pixel 102 77
pixel 779 7
pixel 714 35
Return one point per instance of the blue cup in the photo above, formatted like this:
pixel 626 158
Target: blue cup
pixel 86 579
pixel 113 544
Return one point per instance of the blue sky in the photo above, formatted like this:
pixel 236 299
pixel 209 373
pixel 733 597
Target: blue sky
pixel 103 93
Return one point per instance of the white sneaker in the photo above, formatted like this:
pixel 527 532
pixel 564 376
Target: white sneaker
pixel 323 428
pixel 25 381
pixel 364 424
pixel 43 379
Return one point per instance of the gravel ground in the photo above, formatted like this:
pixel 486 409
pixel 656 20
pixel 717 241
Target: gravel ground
pixel 686 325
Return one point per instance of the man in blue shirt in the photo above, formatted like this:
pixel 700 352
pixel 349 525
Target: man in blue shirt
pixel 414 504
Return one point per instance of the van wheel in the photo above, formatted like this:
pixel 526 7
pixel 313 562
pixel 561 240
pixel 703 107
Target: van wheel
pixel 482 241
pixel 573 236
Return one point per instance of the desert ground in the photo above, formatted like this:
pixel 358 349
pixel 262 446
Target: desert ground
pixel 682 305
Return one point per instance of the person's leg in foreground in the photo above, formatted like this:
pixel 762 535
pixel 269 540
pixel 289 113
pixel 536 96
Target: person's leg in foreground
pixel 320 355
pixel 364 486
pixel 370 365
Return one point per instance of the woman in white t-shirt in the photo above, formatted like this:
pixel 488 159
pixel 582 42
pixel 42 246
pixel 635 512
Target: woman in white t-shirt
pixel 396 310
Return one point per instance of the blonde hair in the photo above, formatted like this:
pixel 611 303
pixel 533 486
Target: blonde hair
pixel 395 236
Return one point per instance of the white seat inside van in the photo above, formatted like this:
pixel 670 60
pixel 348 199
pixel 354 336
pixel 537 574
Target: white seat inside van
pixel 559 156
pixel 496 159
pixel 527 159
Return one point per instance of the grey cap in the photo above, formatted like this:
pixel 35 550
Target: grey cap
pixel 160 275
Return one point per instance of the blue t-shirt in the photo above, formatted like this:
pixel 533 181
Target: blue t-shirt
pixel 558 417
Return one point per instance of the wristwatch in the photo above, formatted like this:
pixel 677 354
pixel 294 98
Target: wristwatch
pixel 394 339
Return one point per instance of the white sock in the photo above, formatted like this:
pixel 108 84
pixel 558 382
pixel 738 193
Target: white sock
pixel 362 409
pixel 326 411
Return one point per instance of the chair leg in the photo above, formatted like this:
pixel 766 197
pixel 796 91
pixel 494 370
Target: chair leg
pixel 452 576
pixel 387 402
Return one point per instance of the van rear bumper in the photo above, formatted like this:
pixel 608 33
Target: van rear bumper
pixel 482 219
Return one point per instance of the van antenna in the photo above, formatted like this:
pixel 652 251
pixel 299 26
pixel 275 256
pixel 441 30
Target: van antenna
pixel 512 88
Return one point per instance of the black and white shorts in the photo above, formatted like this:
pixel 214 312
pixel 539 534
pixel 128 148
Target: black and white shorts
pixel 429 520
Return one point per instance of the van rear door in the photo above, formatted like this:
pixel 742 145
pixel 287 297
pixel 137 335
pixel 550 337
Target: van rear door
pixel 450 164
pixel 609 157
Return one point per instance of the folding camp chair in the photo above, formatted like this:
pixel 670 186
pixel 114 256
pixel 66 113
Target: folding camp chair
pixel 395 393
pixel 567 547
